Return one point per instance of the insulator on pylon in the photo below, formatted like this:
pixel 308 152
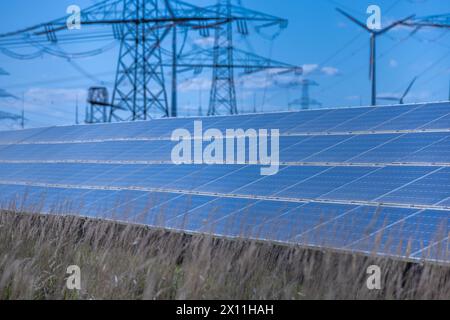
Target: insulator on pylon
pixel 204 30
pixel 50 33
pixel 242 27
pixel 117 31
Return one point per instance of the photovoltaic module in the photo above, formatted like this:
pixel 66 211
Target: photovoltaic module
pixel 366 179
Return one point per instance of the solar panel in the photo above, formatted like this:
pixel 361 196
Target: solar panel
pixel 368 179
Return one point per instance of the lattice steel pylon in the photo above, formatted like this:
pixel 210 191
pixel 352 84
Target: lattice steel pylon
pixel 223 90
pixel 98 105
pixel 305 102
pixel 140 85
pixel 141 26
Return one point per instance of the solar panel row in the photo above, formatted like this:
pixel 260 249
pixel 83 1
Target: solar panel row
pixel 364 179
pixel 384 230
pixel 394 118
pixel 363 148
pixel 399 185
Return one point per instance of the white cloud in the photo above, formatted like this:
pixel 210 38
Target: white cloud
pixel 329 71
pixel 309 68
pixel 316 69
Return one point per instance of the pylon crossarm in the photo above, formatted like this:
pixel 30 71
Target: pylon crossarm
pixel 242 13
pixel 434 21
pixel 249 62
pixel 9 116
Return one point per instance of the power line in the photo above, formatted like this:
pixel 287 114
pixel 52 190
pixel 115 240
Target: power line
pixel 56 80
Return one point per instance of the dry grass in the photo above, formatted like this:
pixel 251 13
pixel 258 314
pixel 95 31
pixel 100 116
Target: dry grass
pixel 133 262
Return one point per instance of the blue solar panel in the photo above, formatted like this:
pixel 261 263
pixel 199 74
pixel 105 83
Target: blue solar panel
pixel 440 123
pixel 11 137
pixel 380 183
pixel 288 176
pixel 432 188
pixel 250 220
pixel 203 218
pixel 360 179
pixel 299 221
pixel 399 148
pixel 350 148
pixel 346 228
pixel 438 152
pixel 439 251
pixel 327 181
pixel 328 121
pixel 445 202
pixel 409 236
pixel 373 119
pixel 310 146
pixel 166 211
pixel 363 148
pixel 206 174
pixel 421 185
pixel 417 118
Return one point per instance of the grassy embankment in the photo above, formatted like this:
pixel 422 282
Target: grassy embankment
pixel 133 262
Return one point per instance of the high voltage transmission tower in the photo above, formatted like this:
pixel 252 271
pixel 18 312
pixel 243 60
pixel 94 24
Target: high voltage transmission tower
pixel 223 90
pixel 141 26
pixel 306 101
pixel 224 58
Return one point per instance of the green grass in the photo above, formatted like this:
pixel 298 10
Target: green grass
pixel 120 261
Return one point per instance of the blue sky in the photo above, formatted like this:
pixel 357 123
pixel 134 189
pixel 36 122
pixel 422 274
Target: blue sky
pixel 333 51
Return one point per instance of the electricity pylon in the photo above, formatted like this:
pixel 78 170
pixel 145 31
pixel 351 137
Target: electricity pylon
pixel 248 63
pixel 141 27
pixel 223 90
pixel 305 101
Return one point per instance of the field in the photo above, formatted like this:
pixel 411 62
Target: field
pixel 120 261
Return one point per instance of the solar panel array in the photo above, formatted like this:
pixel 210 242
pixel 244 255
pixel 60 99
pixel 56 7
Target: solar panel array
pixel 369 179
